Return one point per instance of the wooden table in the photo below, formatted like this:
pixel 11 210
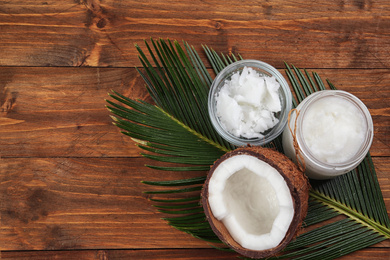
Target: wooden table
pixel 70 182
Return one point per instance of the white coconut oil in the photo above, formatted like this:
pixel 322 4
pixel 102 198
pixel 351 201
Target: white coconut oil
pixel 247 103
pixel 333 133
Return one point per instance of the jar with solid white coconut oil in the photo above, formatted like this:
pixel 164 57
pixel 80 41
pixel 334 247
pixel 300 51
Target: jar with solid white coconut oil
pixel 248 103
pixel 329 134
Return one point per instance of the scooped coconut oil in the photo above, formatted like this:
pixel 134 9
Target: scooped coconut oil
pixel 330 133
pixel 247 104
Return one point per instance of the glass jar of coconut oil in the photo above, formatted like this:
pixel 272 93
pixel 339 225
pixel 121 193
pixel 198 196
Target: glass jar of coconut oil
pixel 328 134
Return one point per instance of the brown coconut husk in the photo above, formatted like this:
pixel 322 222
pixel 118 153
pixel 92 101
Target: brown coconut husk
pixel 296 181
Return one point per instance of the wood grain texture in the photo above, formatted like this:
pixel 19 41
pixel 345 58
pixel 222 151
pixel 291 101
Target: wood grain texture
pixel 80 203
pixel 84 203
pixel 334 34
pixel 60 112
pixel 184 254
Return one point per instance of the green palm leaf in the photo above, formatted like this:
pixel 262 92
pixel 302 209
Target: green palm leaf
pixel 177 131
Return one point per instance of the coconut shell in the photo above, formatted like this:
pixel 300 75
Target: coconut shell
pixel 296 181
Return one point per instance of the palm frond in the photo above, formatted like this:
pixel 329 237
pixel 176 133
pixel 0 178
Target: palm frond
pixel 163 134
pixel 178 87
pixel 178 132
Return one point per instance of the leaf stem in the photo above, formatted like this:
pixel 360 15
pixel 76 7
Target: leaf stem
pixel 189 129
pixel 351 213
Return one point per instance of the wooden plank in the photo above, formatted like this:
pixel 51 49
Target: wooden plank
pixel 320 34
pixel 95 203
pixel 183 254
pixel 70 203
pixel 60 255
pixel 60 112
pixel 195 254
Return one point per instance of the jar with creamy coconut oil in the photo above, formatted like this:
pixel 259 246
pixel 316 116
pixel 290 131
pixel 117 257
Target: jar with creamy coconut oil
pixel 329 134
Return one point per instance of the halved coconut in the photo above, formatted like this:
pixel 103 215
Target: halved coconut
pixel 255 200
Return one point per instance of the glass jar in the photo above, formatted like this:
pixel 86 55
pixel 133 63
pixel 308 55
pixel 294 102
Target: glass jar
pixel 263 69
pixel 342 137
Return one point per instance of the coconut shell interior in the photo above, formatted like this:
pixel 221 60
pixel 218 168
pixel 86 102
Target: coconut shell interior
pixel 297 183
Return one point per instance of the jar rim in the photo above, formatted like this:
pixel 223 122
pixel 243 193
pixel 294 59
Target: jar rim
pixel 365 146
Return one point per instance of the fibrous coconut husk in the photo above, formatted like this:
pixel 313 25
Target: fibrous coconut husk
pixel 296 181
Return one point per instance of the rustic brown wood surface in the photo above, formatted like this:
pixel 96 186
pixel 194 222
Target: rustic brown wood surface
pixel 70 182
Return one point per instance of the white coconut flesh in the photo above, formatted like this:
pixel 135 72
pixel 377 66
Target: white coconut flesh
pixel 252 200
